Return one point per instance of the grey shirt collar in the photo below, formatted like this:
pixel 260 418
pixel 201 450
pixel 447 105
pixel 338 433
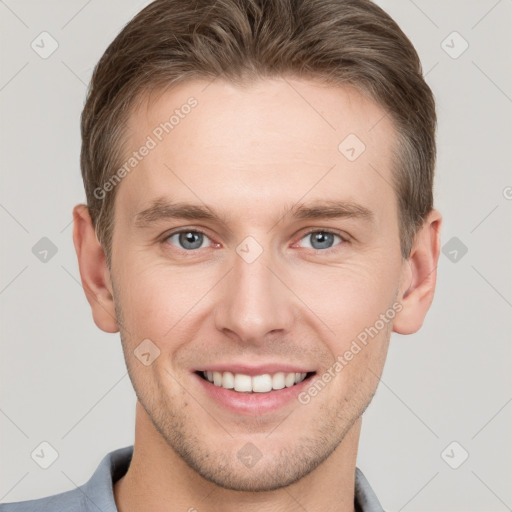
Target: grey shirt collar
pixel 99 488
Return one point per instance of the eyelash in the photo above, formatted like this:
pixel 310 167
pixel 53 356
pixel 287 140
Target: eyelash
pixel 344 240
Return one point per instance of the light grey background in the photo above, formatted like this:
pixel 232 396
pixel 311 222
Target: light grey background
pixel 63 381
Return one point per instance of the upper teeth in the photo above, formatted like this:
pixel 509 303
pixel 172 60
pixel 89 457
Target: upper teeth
pixel 257 383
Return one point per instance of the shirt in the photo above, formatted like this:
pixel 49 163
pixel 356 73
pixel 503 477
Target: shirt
pixel 97 494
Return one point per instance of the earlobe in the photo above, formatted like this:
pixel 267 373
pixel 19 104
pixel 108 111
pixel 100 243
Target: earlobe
pixel 419 276
pixel 94 271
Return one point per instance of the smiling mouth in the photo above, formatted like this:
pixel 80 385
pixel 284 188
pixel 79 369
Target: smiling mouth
pixel 264 383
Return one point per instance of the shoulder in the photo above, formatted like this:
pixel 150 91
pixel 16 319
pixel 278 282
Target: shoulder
pixel 69 501
pixel 365 498
pixel 96 494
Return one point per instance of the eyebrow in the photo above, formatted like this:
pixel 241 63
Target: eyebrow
pixel 332 210
pixel 162 209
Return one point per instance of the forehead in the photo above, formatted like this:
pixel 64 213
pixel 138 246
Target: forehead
pixel 276 140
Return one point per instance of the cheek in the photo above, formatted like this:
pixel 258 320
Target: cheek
pixel 347 298
pixel 156 296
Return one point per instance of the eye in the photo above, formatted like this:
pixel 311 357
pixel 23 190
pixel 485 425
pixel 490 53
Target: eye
pixel 319 240
pixel 188 240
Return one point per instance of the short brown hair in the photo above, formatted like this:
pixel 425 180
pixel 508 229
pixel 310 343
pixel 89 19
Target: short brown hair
pixel 346 42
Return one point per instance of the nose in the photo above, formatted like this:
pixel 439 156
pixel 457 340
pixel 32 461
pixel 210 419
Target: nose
pixel 254 302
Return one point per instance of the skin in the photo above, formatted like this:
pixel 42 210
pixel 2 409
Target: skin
pixel 250 154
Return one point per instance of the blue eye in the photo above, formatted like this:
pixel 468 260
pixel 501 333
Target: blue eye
pixel 189 240
pixel 321 239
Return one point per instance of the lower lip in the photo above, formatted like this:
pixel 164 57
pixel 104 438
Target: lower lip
pixel 252 403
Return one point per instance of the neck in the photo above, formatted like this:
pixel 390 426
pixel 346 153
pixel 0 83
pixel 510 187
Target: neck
pixel 158 479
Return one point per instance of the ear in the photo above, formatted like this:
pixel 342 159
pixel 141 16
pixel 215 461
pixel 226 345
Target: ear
pixel 419 273
pixel 94 271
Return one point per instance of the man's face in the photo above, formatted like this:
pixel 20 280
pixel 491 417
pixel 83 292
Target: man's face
pixel 295 294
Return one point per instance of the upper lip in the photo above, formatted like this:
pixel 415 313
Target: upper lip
pixel 254 370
